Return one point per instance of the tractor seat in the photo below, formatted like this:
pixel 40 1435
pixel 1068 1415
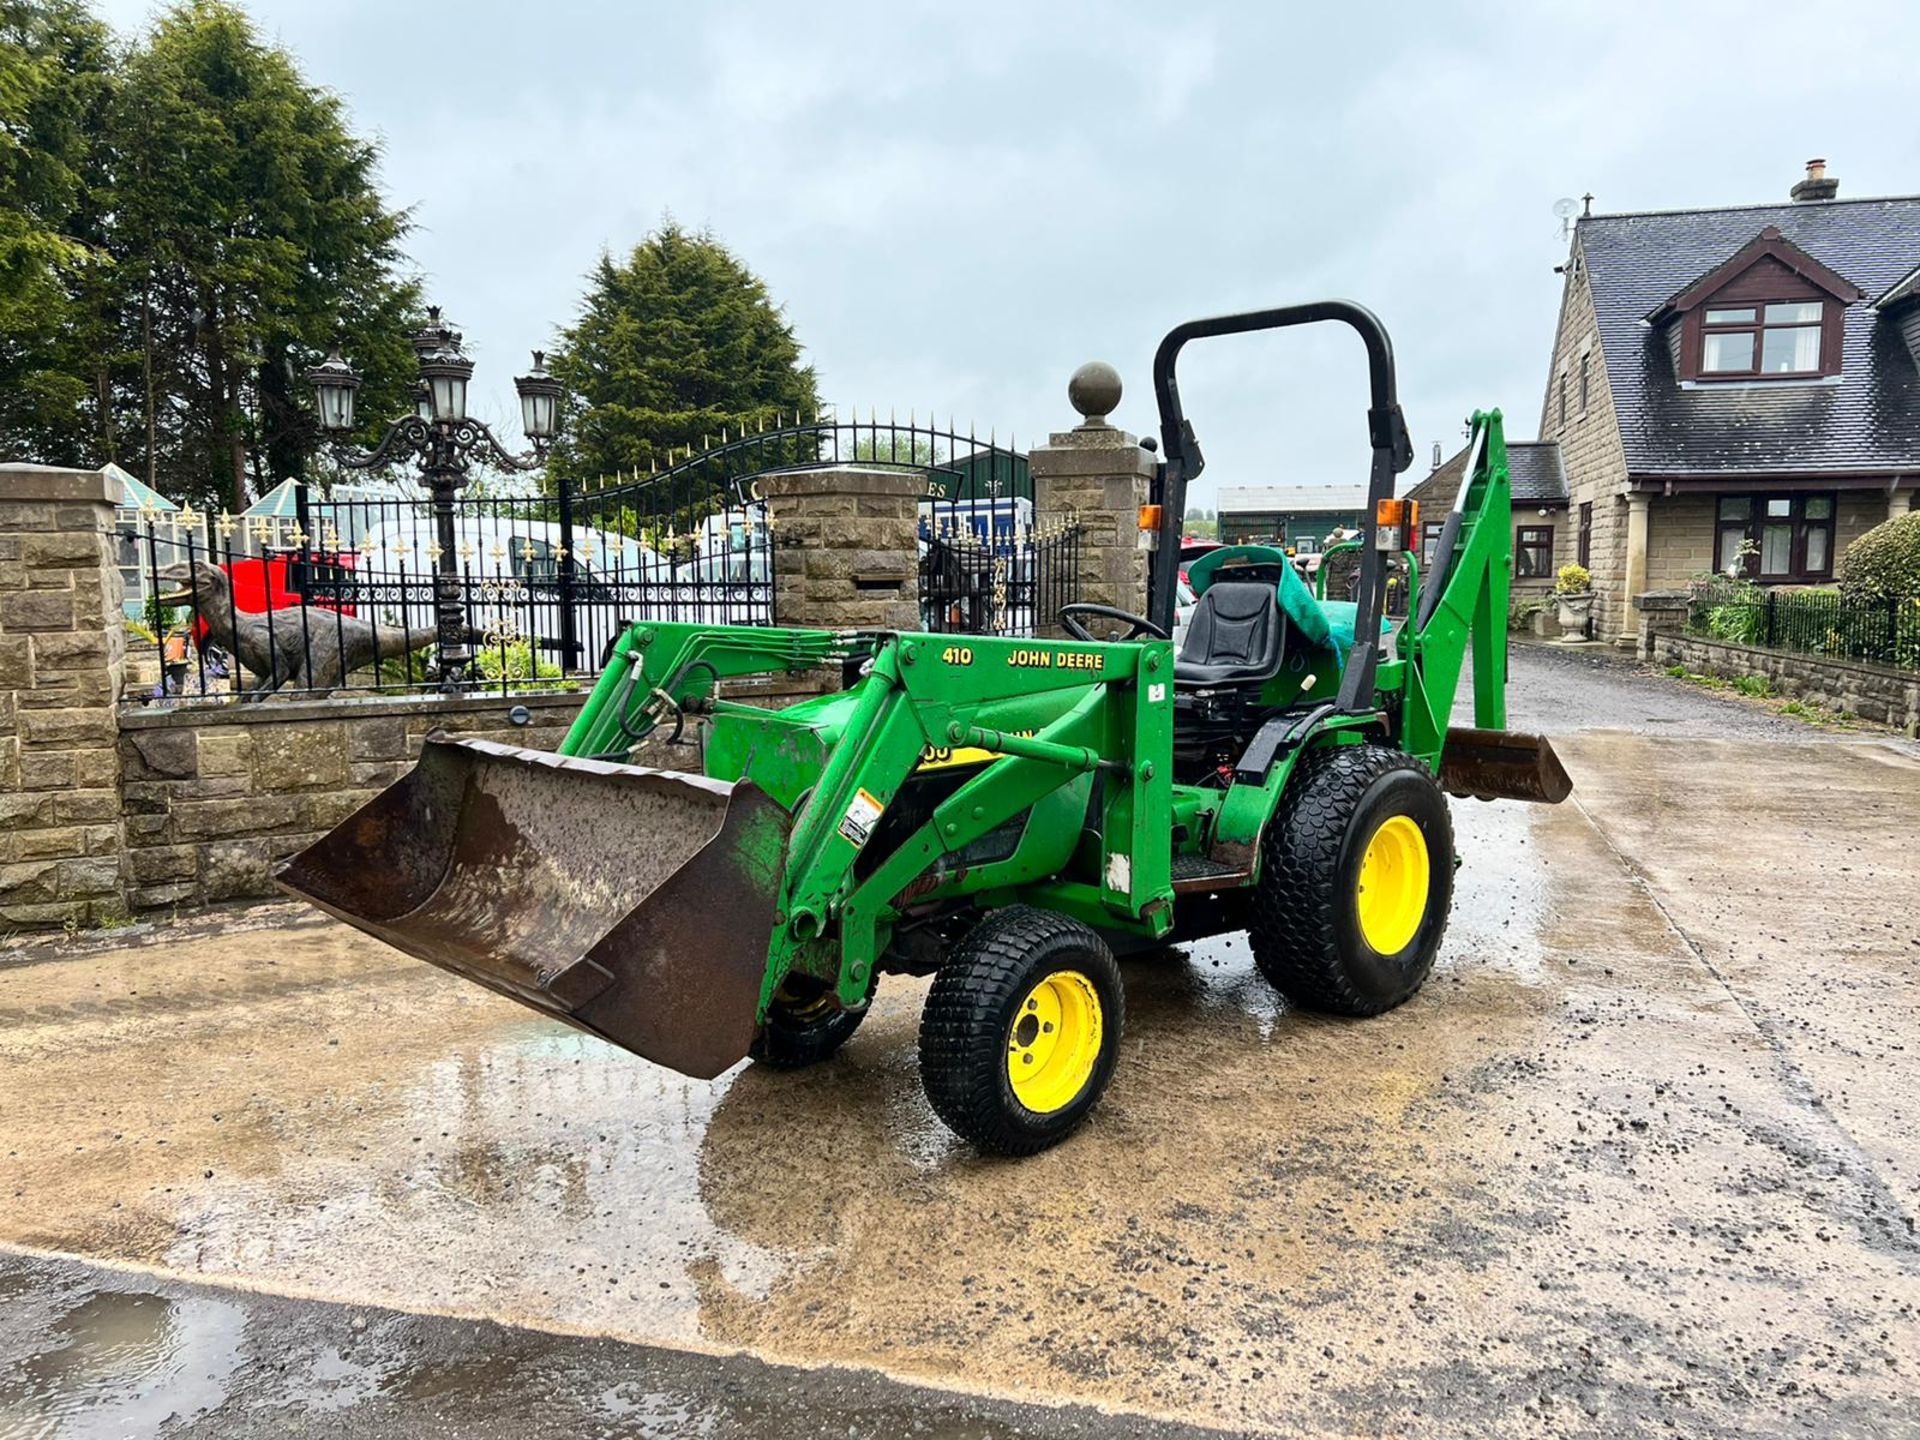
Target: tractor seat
pixel 1237 636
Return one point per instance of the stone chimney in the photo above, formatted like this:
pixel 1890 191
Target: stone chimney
pixel 1816 186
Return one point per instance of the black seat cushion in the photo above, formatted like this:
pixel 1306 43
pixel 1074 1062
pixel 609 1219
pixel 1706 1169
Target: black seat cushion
pixel 1237 636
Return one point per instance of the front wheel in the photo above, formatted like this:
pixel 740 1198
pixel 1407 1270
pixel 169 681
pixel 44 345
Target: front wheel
pixel 1021 1030
pixel 805 1025
pixel 1356 877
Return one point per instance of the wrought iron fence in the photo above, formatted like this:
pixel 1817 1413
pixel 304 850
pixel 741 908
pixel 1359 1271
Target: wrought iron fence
pixel 1010 587
pixel 338 592
pixel 318 592
pixel 1813 622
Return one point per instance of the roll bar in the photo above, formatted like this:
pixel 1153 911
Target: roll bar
pixel 1386 433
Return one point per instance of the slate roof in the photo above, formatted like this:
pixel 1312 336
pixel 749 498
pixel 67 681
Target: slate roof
pixel 1533 466
pixel 1870 420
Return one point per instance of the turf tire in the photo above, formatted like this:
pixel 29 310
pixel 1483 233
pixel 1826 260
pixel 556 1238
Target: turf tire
pixel 1305 928
pixel 797 1035
pixel 969 1017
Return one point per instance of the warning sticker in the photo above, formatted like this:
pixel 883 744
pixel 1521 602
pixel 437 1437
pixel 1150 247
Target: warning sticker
pixel 1156 694
pixel 862 815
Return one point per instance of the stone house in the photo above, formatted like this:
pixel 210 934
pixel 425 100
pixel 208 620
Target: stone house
pixel 1542 541
pixel 1736 387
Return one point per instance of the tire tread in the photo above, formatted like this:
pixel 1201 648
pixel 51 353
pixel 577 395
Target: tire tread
pixel 1294 913
pixel 961 1049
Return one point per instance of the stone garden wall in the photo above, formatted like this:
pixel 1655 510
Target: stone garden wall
pixel 212 797
pixel 1873 692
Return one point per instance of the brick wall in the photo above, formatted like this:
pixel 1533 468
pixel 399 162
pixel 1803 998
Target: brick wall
pixel 214 796
pixel 1096 477
pixel 60 670
pixel 1592 452
pixel 1855 513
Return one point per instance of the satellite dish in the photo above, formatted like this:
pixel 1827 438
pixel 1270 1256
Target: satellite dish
pixel 1563 209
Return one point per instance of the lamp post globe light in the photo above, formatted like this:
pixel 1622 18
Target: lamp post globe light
pixel 441 441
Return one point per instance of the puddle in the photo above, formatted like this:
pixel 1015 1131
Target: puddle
pixel 120 1363
pixel 543 1162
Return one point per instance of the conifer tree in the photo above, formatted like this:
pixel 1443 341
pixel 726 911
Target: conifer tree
pixel 674 344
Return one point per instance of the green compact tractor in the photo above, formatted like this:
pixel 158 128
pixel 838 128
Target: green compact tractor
pixel 1003 814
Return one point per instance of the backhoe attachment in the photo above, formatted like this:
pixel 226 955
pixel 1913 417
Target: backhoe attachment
pixel 1503 765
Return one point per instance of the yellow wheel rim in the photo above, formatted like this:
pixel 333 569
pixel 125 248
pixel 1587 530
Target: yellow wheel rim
pixel 1054 1041
pixel 1394 880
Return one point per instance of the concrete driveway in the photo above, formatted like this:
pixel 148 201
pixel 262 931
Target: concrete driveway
pixel 1640 1157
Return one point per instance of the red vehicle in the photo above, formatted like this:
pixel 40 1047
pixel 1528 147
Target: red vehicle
pixel 267 583
pixel 1191 549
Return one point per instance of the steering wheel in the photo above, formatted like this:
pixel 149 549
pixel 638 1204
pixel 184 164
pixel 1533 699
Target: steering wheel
pixel 1141 627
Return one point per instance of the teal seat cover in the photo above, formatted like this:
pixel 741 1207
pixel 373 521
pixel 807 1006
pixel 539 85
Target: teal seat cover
pixel 1326 624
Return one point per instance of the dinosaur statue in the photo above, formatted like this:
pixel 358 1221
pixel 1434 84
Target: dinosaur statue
pixel 305 646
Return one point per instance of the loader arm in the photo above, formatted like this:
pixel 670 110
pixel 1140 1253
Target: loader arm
pixel 654 669
pixel 928 693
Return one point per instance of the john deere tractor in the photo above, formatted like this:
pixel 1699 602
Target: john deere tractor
pixel 1003 814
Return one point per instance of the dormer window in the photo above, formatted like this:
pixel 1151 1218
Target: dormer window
pixel 1770 311
pixel 1755 340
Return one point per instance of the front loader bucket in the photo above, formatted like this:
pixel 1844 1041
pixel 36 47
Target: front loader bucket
pixel 636 904
pixel 1503 765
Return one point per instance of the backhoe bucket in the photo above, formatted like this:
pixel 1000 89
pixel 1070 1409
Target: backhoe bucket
pixel 636 904
pixel 1503 765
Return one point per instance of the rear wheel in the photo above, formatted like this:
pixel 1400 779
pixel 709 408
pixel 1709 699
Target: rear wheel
pixel 1355 880
pixel 804 1025
pixel 1021 1030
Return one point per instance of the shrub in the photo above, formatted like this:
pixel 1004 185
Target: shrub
pixel 1520 616
pixel 1573 580
pixel 1738 623
pixel 1754 685
pixel 1884 563
pixel 515 661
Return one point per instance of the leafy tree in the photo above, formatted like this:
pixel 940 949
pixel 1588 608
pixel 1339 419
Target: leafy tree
pixel 674 344
pixel 55 83
pixel 250 236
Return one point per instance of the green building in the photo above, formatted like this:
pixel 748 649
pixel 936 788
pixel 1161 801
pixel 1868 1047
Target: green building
pixel 1287 514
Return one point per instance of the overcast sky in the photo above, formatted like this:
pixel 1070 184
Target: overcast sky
pixel 958 204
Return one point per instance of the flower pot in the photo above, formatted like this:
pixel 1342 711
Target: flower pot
pixel 1574 609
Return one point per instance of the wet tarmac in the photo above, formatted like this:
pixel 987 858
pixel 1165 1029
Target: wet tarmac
pixel 1637 1159
pixel 110 1353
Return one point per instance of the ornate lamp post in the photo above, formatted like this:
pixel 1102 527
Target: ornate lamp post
pixel 441 441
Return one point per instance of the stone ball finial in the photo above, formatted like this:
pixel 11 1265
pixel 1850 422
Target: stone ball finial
pixel 1094 391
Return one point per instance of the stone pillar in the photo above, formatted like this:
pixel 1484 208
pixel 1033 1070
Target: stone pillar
pixel 1636 577
pixel 1899 503
pixel 845 552
pixel 1096 477
pixel 1662 612
pixel 62 652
